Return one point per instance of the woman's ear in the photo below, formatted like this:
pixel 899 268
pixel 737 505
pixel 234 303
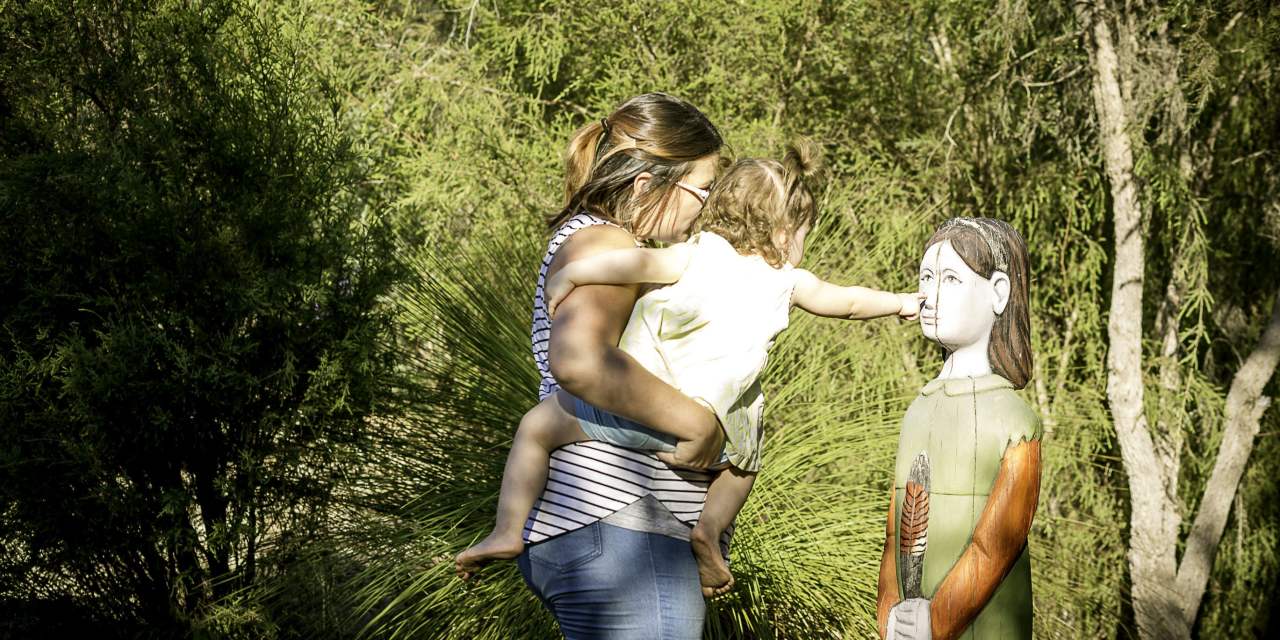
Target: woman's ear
pixel 1000 290
pixel 640 183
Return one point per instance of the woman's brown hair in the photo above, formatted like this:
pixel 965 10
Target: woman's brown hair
pixel 988 245
pixel 757 198
pixel 655 133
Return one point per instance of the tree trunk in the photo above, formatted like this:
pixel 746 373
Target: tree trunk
pixel 1166 594
pixel 1153 523
pixel 213 514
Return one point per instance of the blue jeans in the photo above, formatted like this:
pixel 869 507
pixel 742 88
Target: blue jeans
pixel 603 581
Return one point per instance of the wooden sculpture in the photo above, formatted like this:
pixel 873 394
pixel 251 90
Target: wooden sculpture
pixel 967 477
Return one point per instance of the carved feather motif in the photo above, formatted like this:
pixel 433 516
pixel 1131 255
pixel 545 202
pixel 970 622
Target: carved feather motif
pixel 915 520
pixel 913 526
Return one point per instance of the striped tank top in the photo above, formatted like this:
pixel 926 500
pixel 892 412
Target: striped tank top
pixel 591 481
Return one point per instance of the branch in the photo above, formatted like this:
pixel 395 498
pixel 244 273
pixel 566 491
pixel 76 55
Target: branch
pixel 97 102
pixel 942 51
pixel 1059 79
pixel 1064 358
pixel 1048 406
pixel 1211 141
pixel 644 45
pixel 1016 61
pixel 1245 406
pixel 471 19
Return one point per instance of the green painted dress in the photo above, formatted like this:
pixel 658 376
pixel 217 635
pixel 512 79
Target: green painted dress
pixel 963 427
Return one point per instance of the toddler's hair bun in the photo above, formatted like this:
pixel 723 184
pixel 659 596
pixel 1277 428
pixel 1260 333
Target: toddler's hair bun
pixel 803 161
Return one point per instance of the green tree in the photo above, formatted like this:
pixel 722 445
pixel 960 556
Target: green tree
pixel 192 331
pixel 1170 83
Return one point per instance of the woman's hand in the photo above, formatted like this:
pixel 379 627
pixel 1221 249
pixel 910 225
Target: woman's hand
pixel 556 290
pixel 910 305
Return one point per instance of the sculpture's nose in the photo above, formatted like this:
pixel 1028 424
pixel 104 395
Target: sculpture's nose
pixel 930 290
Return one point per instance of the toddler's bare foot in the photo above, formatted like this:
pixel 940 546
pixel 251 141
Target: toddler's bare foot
pixel 712 569
pixel 495 547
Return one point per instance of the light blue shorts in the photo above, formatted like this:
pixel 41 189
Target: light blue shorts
pixel 601 425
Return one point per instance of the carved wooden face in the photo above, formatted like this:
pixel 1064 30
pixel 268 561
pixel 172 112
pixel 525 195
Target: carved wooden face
pixel 960 306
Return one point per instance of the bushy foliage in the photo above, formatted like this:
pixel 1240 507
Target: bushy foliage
pixel 192 332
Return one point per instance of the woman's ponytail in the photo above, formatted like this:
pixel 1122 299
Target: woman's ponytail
pixel 580 157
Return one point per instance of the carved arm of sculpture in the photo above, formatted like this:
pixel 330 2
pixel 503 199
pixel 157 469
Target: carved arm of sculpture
pixel 998 540
pixel 887 593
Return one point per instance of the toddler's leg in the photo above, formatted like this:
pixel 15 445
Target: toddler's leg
pixel 725 497
pixel 542 429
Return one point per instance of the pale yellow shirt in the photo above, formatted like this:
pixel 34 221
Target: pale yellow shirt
pixel 709 335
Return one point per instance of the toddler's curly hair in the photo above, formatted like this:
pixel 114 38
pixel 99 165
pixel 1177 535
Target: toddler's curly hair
pixel 758 204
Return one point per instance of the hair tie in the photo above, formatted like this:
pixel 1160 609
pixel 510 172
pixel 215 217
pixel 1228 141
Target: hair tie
pixel 604 137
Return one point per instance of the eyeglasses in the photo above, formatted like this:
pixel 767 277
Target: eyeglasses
pixel 698 192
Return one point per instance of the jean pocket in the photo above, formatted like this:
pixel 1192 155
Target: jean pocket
pixel 570 550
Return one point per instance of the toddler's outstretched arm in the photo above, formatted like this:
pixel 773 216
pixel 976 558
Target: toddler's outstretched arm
pixel 821 298
pixel 621 266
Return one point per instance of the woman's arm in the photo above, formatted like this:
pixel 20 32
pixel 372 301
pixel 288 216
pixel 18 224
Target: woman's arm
pixel 822 298
pixel 586 361
pixel 998 540
pixel 621 266
pixel 887 593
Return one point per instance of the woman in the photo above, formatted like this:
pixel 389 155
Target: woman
pixel 609 541
pixel 967 477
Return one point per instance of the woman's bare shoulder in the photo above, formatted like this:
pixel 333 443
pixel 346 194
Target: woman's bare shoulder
pixel 589 241
pixel 600 237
